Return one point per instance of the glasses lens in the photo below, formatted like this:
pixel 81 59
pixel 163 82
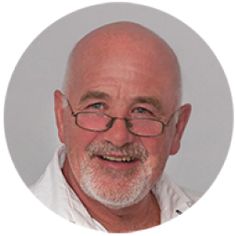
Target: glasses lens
pixel 93 121
pixel 145 127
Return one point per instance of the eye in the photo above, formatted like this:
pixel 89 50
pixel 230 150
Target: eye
pixel 142 110
pixel 96 106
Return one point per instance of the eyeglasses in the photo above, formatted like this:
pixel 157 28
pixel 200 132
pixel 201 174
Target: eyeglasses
pixel 101 122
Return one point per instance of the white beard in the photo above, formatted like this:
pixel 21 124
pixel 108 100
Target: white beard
pixel 126 188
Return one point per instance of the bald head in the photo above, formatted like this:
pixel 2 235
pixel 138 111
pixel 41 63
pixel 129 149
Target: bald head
pixel 119 44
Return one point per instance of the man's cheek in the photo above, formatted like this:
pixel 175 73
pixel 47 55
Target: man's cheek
pixel 81 140
pixel 158 153
pixel 153 145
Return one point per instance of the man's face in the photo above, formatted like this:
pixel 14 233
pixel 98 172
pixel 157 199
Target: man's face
pixel 120 86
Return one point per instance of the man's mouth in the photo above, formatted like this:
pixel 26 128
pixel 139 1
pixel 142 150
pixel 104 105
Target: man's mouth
pixel 110 154
pixel 125 159
pixel 117 162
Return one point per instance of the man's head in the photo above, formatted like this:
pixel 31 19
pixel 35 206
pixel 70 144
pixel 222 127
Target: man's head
pixel 125 71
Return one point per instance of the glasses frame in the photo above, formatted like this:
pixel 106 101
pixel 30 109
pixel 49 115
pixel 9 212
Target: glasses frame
pixel 127 121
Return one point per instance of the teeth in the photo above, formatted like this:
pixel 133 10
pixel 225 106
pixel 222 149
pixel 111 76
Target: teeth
pixel 118 159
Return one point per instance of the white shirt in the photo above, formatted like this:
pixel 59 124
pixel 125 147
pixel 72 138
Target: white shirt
pixel 53 190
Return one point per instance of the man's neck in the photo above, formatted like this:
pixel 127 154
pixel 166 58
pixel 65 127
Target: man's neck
pixel 142 215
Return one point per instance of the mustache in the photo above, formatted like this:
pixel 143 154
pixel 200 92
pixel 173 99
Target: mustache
pixel 134 150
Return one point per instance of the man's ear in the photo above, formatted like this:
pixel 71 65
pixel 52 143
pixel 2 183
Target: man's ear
pixel 183 118
pixel 59 114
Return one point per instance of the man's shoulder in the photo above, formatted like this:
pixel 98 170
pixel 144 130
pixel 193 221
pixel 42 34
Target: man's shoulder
pixel 169 186
pixel 44 186
pixel 49 186
pixel 173 199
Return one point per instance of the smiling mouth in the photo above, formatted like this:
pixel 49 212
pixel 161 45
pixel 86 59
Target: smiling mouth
pixel 123 159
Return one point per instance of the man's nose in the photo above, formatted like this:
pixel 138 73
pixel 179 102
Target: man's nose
pixel 118 134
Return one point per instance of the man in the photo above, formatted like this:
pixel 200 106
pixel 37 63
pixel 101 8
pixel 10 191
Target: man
pixel 119 118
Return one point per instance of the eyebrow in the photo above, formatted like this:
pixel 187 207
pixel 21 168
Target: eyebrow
pixel 141 99
pixel 94 95
pixel 148 100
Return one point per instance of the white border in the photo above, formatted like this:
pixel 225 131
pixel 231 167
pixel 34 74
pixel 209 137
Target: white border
pixel 21 22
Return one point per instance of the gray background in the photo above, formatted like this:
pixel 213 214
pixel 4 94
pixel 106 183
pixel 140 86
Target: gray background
pixel 29 120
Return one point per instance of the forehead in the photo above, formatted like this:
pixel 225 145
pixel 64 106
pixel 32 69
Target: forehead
pixel 125 67
pixel 124 83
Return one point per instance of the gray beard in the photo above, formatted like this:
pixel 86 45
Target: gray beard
pixel 116 197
